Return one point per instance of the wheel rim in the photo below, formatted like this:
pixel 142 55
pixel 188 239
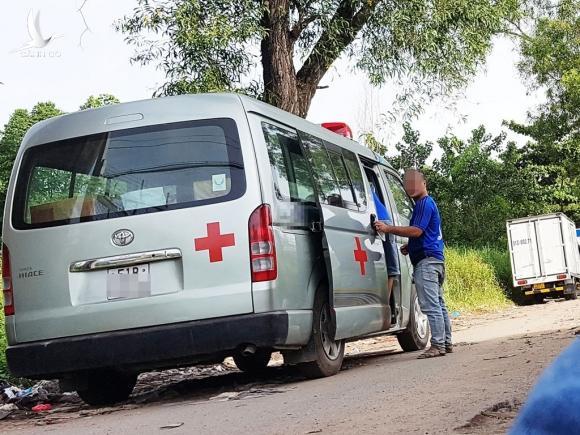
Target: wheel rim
pixel 331 347
pixel 421 322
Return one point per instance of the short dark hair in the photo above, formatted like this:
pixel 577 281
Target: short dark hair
pixel 415 171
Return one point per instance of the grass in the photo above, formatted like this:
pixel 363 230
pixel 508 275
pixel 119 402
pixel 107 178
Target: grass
pixel 476 280
pixel 3 367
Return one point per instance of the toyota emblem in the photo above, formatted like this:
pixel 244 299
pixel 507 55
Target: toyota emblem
pixel 122 237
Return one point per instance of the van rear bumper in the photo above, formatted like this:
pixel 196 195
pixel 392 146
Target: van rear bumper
pixel 147 348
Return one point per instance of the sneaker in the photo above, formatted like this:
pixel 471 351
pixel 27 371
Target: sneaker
pixel 432 352
pixel 448 348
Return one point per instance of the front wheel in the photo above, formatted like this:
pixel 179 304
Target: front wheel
pixel 107 387
pixel 416 335
pixel 329 352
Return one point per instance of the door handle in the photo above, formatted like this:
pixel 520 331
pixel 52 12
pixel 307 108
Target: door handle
pixel 315 226
pixel 373 220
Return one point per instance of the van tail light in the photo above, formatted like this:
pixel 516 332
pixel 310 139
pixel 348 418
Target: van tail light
pixel 522 281
pixel 7 283
pixel 262 246
pixel 563 276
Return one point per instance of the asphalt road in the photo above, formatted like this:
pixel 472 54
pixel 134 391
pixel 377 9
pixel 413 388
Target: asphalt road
pixel 477 389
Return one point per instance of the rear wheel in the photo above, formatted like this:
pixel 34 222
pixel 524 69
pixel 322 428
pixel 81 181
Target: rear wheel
pixel 571 296
pixel 329 352
pixel 254 363
pixel 416 336
pixel 107 387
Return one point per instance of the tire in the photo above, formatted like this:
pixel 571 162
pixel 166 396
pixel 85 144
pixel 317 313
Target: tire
pixel 255 363
pixel 108 387
pixel 416 335
pixel 571 296
pixel 329 353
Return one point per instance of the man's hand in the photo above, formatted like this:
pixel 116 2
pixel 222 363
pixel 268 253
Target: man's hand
pixel 382 227
pixel 405 249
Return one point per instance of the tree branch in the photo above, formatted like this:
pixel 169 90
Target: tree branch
pixel 332 43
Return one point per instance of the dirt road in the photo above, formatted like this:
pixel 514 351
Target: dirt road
pixel 477 389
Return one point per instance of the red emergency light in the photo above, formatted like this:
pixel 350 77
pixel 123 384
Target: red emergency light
pixel 341 128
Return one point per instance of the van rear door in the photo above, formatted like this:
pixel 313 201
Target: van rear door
pixel 132 228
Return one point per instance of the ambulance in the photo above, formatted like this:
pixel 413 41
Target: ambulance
pixel 183 230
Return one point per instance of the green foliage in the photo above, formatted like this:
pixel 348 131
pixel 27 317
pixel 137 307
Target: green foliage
pixel 372 143
pixel 551 60
pixel 4 374
pixel 471 283
pixel 211 45
pixel 203 46
pixel 99 101
pixel 478 184
pixel 410 152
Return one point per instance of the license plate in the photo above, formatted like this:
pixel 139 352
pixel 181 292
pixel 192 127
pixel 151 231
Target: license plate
pixel 539 286
pixel 129 282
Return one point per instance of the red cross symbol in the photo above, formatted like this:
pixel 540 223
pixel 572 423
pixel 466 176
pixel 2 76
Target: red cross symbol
pixel 214 242
pixel 360 255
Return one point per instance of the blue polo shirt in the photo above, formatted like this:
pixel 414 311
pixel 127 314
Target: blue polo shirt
pixel 430 244
pixel 382 212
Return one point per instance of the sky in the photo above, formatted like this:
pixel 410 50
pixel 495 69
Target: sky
pixel 82 60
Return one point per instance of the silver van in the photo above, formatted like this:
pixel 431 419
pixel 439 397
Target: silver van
pixel 182 230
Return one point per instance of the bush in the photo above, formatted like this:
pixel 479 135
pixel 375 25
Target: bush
pixel 473 281
pixel 3 367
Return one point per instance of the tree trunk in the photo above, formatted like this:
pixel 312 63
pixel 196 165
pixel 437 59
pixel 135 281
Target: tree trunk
pixel 280 84
pixel 285 88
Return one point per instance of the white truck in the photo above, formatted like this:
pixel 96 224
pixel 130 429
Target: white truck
pixel 545 256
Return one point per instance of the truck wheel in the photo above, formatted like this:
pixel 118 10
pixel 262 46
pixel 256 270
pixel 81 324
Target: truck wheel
pixel 107 387
pixel 329 353
pixel 571 296
pixel 416 335
pixel 254 363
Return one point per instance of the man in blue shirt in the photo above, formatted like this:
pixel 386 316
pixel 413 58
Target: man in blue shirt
pixel 425 248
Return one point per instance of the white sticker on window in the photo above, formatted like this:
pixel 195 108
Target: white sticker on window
pixel 218 182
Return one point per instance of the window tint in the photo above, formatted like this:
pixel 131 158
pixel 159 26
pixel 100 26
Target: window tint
pixel 322 170
pixel 126 172
pixel 292 180
pixel 402 200
pixel 356 177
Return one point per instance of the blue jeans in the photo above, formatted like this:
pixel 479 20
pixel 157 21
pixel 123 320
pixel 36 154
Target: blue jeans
pixel 429 275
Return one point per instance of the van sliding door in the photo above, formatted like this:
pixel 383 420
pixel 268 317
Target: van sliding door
pixel 354 255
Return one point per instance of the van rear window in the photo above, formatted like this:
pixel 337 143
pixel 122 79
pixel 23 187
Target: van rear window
pixel 123 173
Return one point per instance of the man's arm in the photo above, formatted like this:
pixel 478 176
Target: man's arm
pixel 412 232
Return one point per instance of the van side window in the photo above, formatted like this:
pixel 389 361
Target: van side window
pixel 402 200
pixel 356 177
pixel 292 180
pixel 344 184
pixel 322 170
